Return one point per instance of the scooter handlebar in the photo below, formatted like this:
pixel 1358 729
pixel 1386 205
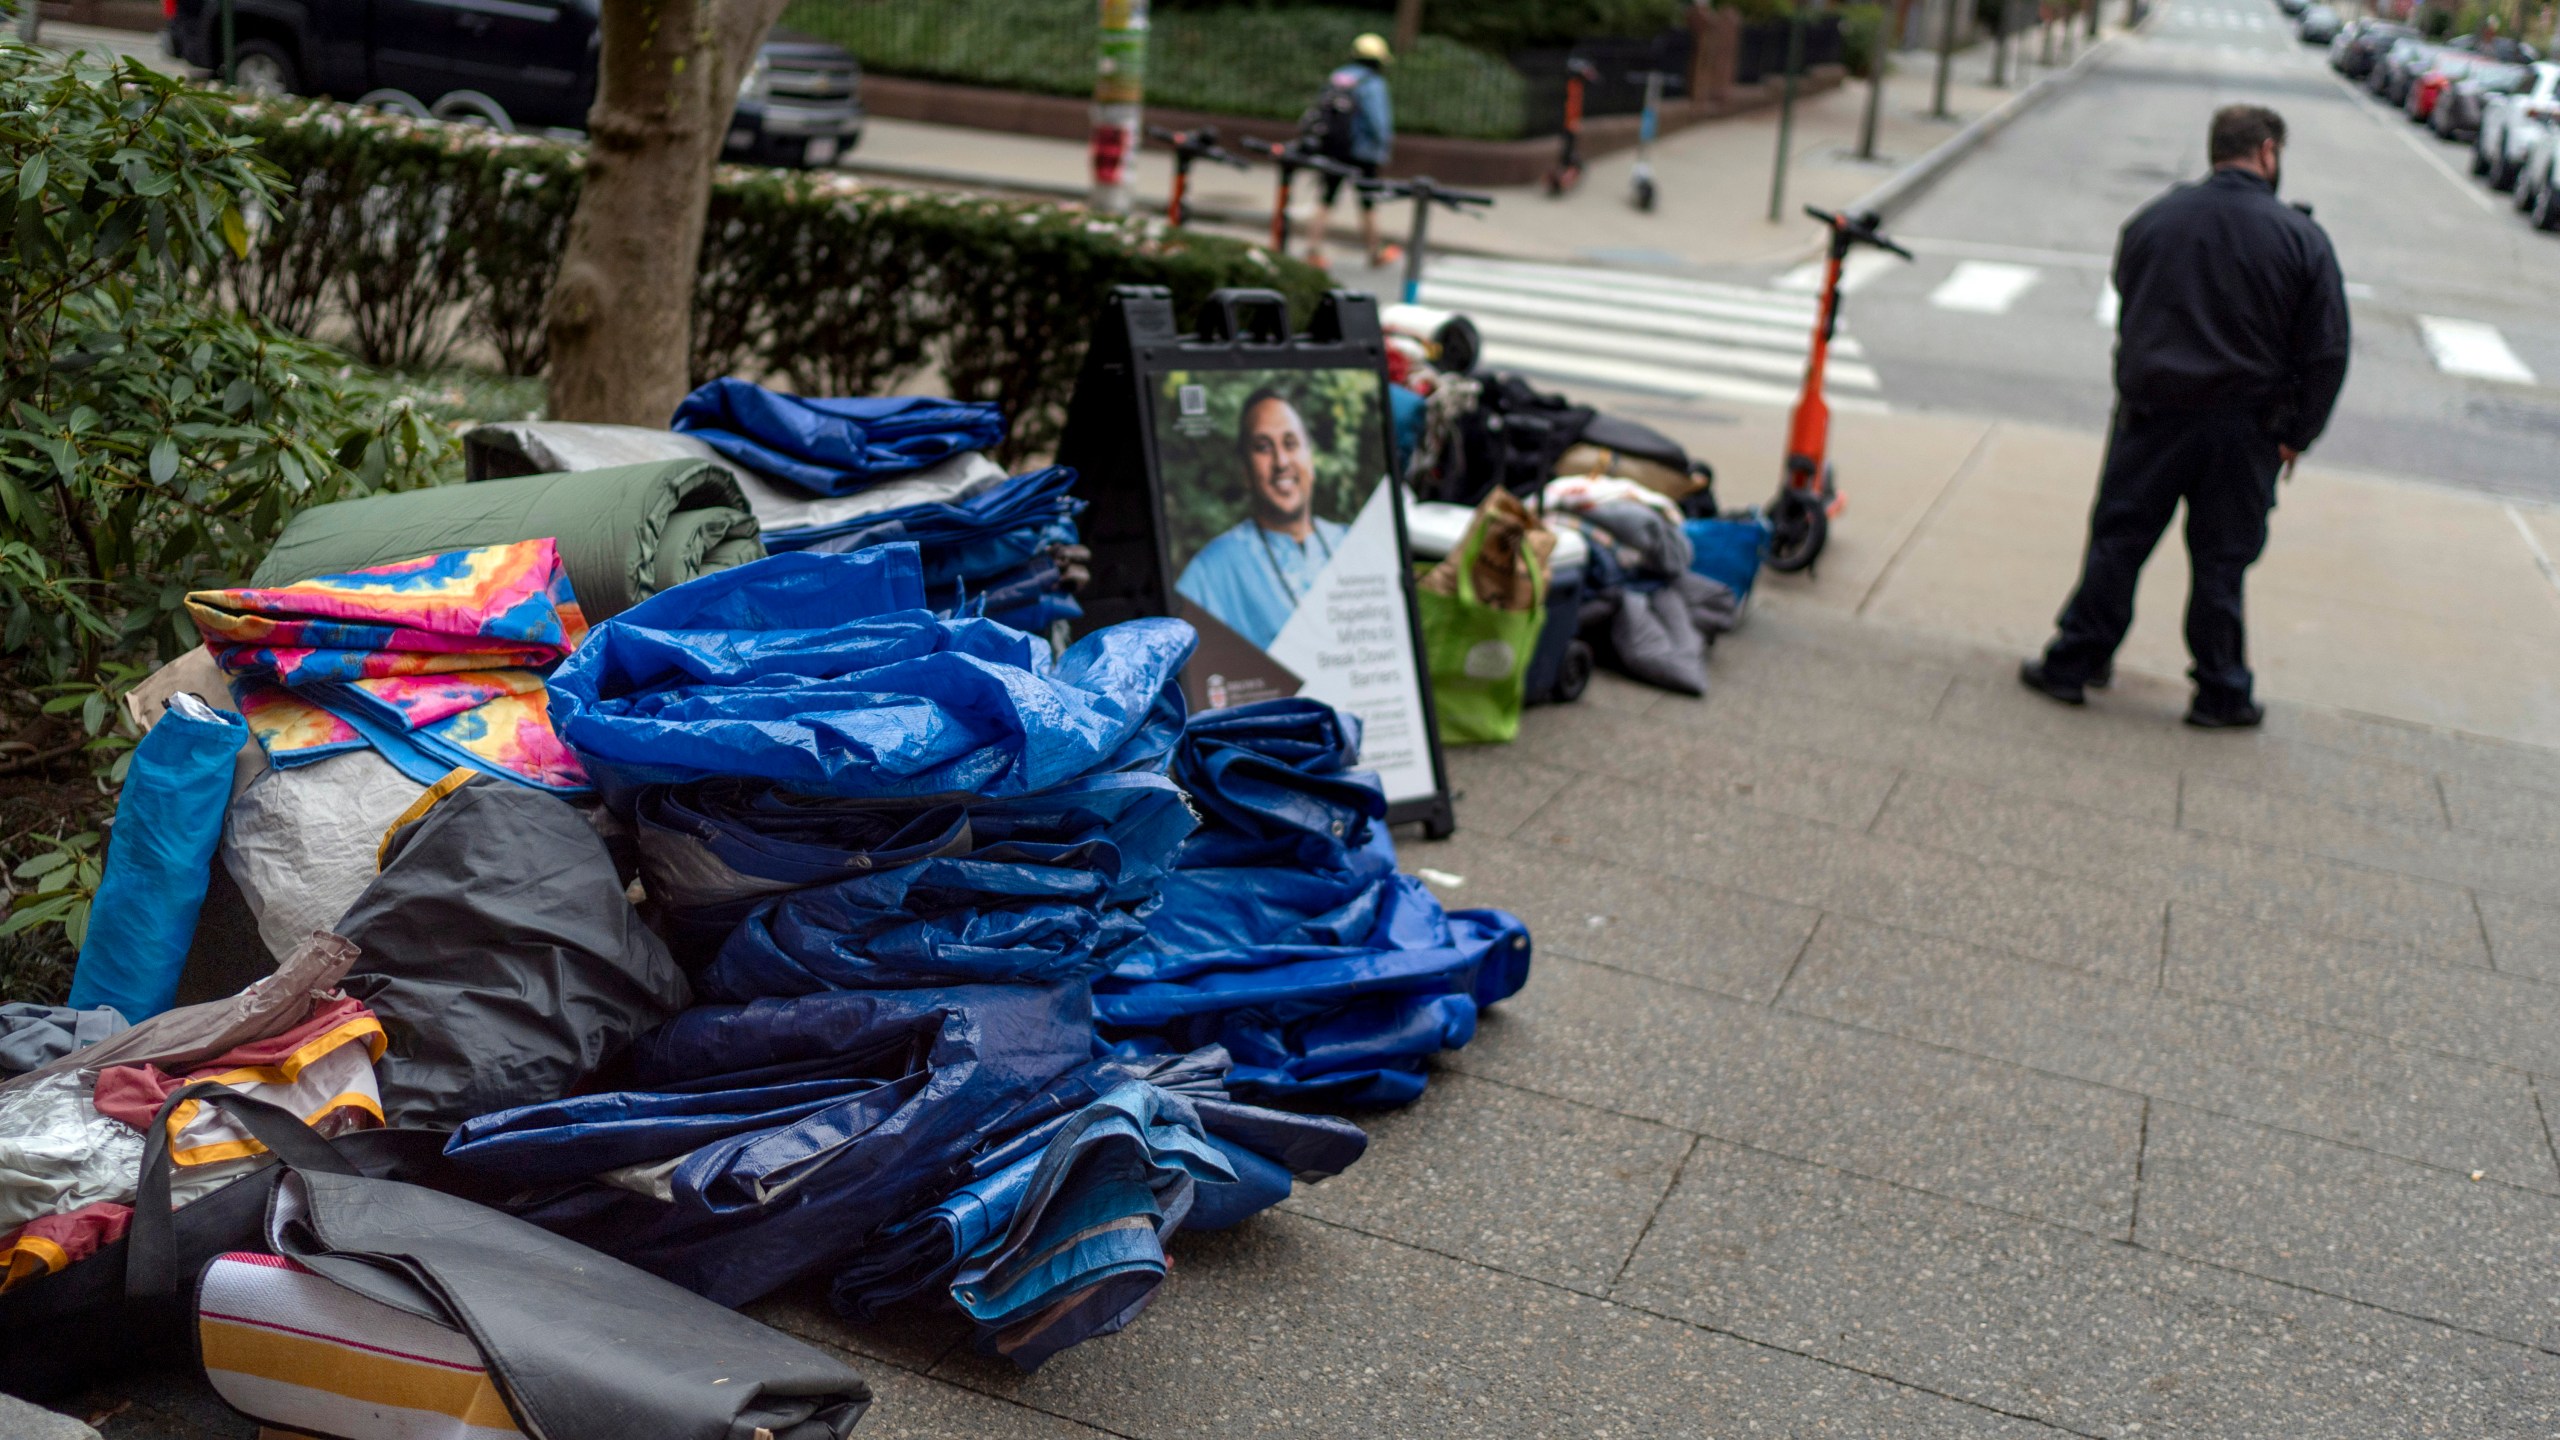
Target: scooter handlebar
pixel 1859 227
pixel 1422 187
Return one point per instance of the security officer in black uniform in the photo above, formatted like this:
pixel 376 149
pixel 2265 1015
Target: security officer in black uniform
pixel 2231 344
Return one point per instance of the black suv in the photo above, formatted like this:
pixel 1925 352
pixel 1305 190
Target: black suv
pixel 515 64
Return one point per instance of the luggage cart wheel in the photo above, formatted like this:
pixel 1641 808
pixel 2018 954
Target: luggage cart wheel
pixel 1573 676
pixel 1644 195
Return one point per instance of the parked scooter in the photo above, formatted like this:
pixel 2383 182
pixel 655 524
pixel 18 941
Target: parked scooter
pixel 1289 159
pixel 1424 192
pixel 1190 145
pixel 1568 171
pixel 1799 519
pixel 1645 131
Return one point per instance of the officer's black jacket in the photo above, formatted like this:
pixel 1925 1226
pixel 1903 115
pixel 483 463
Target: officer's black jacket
pixel 2231 299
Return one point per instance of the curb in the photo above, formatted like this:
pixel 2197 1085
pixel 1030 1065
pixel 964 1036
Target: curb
pixel 1913 180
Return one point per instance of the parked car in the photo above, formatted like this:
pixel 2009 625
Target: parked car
pixel 2361 45
pixel 2292 7
pixel 2510 123
pixel 2398 67
pixel 2533 176
pixel 2318 26
pixel 2456 114
pixel 512 64
pixel 2448 66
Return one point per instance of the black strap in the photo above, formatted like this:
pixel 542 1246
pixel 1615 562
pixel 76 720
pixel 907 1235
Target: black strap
pixel 151 1240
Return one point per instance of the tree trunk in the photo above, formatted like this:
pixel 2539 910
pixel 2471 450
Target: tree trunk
pixel 620 315
pixel 1408 26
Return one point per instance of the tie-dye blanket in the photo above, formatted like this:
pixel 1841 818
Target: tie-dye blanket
pixel 435 662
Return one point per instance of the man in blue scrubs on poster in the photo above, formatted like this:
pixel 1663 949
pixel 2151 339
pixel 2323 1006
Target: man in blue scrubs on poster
pixel 1253 575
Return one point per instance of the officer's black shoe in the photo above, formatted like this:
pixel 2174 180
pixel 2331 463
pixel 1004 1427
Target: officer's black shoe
pixel 2105 677
pixel 2225 714
pixel 2053 687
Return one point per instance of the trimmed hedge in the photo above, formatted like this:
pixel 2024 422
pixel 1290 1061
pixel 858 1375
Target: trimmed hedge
pixel 411 240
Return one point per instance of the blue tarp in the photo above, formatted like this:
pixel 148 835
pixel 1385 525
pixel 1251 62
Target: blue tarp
pixel 990 553
pixel 824 673
pixel 1285 933
pixel 1050 888
pixel 838 446
pixel 777 1135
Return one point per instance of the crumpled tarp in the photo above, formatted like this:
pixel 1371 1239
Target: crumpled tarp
pixel 300 842
pixel 33 1035
pixel 1008 551
pixel 764 1141
pixel 1285 933
pixel 502 956
pixel 625 532
pixel 833 446
pixel 435 662
pixel 1264 1150
pixel 159 857
pixel 825 673
pixel 1044 887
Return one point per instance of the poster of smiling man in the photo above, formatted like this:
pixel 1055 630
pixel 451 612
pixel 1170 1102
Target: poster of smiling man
pixel 1281 531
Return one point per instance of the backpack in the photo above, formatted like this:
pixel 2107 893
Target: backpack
pixel 1331 124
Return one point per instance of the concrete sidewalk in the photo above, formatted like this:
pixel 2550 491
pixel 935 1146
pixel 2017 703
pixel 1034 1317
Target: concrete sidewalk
pixel 1713 178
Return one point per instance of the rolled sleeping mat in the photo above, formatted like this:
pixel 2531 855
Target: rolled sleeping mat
pixel 625 533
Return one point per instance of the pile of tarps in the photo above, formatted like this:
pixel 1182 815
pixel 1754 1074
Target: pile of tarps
pixel 898 848
pixel 845 474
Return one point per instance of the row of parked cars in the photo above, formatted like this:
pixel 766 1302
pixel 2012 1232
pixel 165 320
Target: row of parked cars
pixel 2496 93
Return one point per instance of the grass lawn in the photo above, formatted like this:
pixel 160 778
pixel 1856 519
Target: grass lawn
pixel 1265 63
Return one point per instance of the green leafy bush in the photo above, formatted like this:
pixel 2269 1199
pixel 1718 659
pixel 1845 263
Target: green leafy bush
pixel 832 285
pixel 1862 37
pixel 1253 60
pixel 150 442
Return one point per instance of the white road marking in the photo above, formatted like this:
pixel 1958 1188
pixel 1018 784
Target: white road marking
pixel 2470 347
pixel 1658 334
pixel 2110 304
pixel 1984 287
pixel 1856 272
pixel 2532 542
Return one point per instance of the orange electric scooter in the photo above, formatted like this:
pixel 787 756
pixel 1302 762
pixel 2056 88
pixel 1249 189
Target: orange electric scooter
pixel 1799 520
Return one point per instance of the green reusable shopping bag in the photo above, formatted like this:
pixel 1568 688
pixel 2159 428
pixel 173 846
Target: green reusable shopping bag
pixel 1479 655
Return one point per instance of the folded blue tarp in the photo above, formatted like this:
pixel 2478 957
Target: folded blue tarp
pixel 834 447
pixel 824 673
pixel 761 1142
pixel 985 532
pixel 918 1257
pixel 1051 887
pixel 1285 933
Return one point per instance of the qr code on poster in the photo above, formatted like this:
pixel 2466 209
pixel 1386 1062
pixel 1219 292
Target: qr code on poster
pixel 1194 399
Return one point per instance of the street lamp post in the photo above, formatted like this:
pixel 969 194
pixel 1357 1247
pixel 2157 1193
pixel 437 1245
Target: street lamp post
pixel 1947 55
pixel 1119 93
pixel 1787 110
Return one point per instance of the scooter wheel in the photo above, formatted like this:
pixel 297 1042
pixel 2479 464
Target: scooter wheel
pixel 1797 528
pixel 1574 675
pixel 1644 195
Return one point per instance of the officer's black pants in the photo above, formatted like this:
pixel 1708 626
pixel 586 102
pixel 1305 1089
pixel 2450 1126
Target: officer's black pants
pixel 2223 465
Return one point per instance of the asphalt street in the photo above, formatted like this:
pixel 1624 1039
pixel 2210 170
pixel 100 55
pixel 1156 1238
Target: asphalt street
pixel 2008 313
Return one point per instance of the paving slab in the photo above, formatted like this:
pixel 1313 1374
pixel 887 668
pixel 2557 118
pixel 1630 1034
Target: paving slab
pixel 1823 662
pixel 1289 1327
pixel 2094 1336
pixel 1495 791
pixel 2291 1074
pixel 1871 1104
pixel 1996 704
pixel 1656 748
pixel 2501 809
pixel 1768 717
pixel 2523 938
pixel 2432 852
pixel 907 1406
pixel 2348 1222
pixel 1505 1177
pixel 2013 907
pixel 2374 989
pixel 2149 859
pixel 1687 931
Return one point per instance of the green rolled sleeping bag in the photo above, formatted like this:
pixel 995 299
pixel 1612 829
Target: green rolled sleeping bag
pixel 625 533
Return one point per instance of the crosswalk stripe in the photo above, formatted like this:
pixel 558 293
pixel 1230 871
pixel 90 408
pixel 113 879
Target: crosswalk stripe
pixel 1708 320
pixel 2473 348
pixel 1652 333
pixel 1855 271
pixel 1984 287
pixel 1613 284
pixel 1680 355
pixel 1481 301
